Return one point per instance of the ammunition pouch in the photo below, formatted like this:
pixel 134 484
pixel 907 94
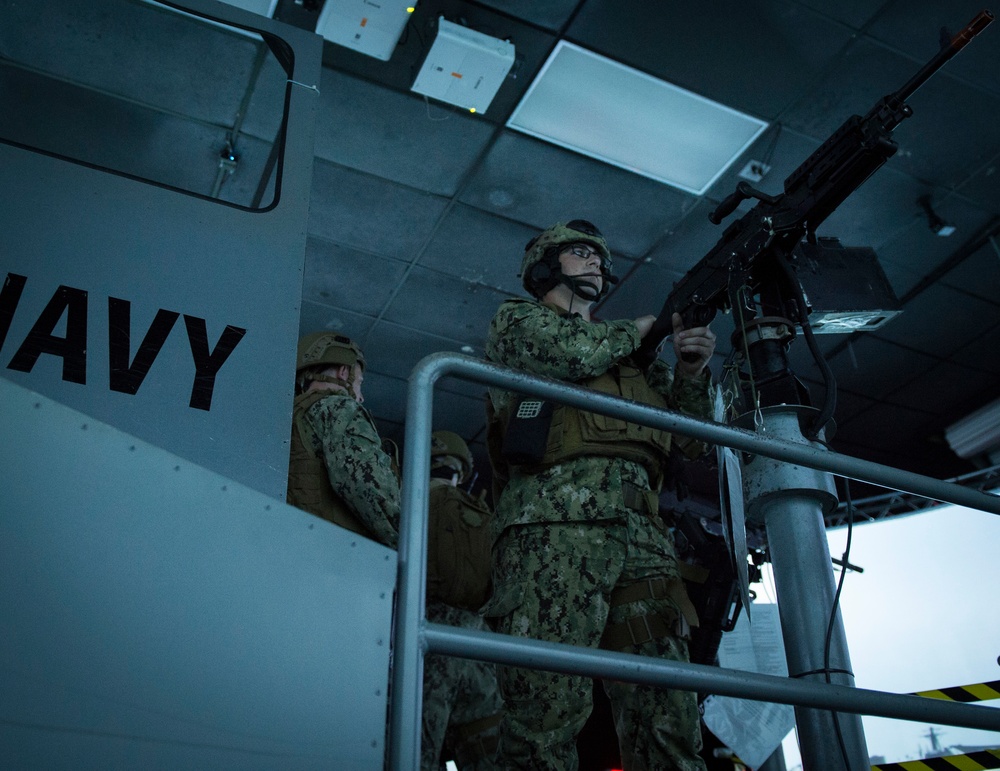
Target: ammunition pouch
pixel 641 628
pixel 459 545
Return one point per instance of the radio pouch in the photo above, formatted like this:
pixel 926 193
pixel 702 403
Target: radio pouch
pixel 527 432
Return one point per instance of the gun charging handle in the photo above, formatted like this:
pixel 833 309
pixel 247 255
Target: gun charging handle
pixel 743 191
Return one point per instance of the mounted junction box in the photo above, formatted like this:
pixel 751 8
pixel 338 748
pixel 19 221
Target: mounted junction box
pixel 464 67
pixel 369 27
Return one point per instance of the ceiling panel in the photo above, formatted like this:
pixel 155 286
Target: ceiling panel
pixel 854 13
pixel 396 136
pixel 316 316
pixel 983 186
pixel 715 49
pixel 340 277
pixel 872 214
pixel 370 213
pixel 981 353
pixel 920 327
pixel 551 14
pixel 445 306
pixel 396 349
pixel 913 26
pixel 900 427
pixel 479 248
pixel 860 77
pixel 978 274
pixel 876 367
pixel 534 182
pixel 960 138
pixel 946 388
pixel 388 393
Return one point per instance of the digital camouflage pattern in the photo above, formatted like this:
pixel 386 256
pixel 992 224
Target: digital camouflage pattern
pixel 554 583
pixel 565 541
pixel 541 339
pixel 360 472
pixel 458 693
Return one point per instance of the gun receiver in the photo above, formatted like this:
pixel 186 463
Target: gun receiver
pixel 744 258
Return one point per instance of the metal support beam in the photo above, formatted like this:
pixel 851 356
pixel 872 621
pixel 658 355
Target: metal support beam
pixel 791 500
pixel 595 662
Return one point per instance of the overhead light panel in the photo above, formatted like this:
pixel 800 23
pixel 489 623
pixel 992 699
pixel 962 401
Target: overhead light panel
pixel 599 107
pixel 367 27
pixel 976 434
pixel 464 67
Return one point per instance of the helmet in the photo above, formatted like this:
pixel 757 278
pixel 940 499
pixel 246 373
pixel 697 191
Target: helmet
pixel 328 348
pixel 573 232
pixel 449 450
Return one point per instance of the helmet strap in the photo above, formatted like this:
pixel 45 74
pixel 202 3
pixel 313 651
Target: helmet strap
pixel 582 288
pixel 347 385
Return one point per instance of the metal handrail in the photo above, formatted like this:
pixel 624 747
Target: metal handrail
pixel 414 636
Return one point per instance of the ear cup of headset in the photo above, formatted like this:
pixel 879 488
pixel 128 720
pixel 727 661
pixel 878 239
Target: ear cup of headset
pixel 540 272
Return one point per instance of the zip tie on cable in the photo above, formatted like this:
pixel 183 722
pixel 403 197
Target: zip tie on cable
pixel 308 87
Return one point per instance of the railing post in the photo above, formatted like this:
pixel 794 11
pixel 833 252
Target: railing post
pixel 784 493
pixel 406 698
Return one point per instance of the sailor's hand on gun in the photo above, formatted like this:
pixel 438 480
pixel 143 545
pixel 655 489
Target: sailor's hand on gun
pixel 694 347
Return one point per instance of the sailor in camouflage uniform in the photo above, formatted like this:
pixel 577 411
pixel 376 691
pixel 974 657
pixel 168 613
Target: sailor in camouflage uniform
pixel 461 703
pixel 581 555
pixel 338 469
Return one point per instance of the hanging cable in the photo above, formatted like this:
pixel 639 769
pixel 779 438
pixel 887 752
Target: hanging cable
pixel 829 379
pixel 845 560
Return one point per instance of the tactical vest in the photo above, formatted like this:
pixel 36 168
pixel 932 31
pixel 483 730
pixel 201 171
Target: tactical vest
pixel 308 484
pixel 574 433
pixel 459 543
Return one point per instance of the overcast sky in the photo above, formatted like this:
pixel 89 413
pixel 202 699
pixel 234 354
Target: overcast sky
pixel 923 615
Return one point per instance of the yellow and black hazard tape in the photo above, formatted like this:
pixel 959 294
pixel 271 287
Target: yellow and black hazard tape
pixel 967 693
pixel 974 761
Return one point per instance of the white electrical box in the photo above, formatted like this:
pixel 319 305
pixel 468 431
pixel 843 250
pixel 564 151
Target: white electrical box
pixel 464 67
pixel 369 27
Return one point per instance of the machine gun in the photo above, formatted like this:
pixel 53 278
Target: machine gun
pixel 754 255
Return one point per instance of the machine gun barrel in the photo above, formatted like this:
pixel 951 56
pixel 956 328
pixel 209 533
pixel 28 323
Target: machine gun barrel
pixel 776 224
pixel 952 47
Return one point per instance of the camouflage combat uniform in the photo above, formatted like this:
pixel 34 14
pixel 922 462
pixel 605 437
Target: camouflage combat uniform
pixel 570 534
pixel 333 436
pixel 462 705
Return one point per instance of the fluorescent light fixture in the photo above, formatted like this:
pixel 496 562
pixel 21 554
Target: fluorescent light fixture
pixel 976 434
pixel 619 115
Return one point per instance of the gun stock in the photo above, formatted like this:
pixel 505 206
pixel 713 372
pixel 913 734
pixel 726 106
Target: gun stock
pixel 734 269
